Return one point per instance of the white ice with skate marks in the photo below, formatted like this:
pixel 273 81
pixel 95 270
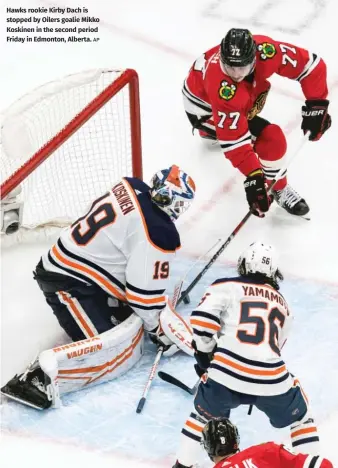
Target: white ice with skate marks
pixel 140 35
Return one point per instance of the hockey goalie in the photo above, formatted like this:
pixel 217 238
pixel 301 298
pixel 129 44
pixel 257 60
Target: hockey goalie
pixel 105 280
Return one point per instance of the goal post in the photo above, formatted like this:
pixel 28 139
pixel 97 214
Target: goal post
pixel 67 141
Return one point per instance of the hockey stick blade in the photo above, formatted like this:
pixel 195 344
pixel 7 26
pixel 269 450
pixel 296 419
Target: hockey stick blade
pixel 172 380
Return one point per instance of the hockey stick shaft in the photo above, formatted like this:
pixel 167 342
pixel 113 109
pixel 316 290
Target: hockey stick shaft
pixel 178 287
pixel 149 381
pixel 241 223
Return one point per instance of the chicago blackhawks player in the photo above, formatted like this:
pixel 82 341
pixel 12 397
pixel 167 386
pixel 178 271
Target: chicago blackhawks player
pixel 226 89
pixel 220 439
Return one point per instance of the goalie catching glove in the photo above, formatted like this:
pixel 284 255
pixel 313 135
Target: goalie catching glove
pixel 173 333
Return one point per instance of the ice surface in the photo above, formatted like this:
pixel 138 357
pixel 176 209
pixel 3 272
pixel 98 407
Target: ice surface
pixel 160 42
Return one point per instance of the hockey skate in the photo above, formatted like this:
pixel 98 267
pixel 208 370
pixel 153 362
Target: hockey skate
pixel 29 388
pixel 291 201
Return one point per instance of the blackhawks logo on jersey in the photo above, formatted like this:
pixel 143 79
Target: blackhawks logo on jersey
pixel 227 91
pixel 258 105
pixel 267 50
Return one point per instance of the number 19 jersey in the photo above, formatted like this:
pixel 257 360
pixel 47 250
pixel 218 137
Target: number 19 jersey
pixel 124 245
pixel 249 321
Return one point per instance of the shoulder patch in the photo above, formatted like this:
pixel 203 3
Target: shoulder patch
pixel 227 91
pixel 267 50
pixel 137 184
pixel 165 238
pixel 161 230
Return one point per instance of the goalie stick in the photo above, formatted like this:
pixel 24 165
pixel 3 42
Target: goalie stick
pixel 241 223
pixel 152 373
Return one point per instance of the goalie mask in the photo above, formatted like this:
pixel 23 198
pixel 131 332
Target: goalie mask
pixel 172 190
pixel 260 259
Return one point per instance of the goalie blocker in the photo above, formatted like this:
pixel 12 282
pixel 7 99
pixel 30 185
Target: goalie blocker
pixel 85 363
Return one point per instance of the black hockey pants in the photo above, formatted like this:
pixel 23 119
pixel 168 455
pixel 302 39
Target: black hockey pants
pixel 83 310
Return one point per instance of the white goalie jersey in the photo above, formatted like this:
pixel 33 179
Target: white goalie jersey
pixel 249 321
pixel 125 245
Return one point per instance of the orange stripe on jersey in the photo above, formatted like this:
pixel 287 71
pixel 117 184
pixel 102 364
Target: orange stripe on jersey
pixel 77 313
pixel 87 271
pixel 201 323
pixel 308 430
pixel 248 370
pixel 132 194
pixel 155 300
pixel 194 426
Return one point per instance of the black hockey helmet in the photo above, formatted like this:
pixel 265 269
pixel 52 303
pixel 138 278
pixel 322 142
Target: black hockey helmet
pixel 238 48
pixel 220 438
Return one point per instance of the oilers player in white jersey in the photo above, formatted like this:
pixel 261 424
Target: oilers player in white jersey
pixel 239 329
pixel 112 266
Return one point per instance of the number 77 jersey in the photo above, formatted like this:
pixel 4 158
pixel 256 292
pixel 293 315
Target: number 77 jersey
pixel 249 320
pixel 230 105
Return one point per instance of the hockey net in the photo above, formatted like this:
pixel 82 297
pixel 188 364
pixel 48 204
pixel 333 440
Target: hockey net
pixel 65 143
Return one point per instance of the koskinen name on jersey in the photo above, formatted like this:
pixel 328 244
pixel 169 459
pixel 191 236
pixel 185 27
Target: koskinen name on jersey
pixel 123 198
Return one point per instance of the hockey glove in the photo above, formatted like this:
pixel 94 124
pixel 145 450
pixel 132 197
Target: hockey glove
pixel 203 359
pixel 316 120
pixel 256 193
pixel 158 337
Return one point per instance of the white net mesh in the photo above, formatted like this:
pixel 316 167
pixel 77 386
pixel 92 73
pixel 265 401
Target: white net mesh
pixel 85 165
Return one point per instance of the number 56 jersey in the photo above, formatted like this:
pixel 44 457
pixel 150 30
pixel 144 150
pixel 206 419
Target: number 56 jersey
pixel 249 320
pixel 125 245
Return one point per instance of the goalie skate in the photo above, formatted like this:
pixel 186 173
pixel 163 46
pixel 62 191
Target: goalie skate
pixel 291 201
pixel 29 389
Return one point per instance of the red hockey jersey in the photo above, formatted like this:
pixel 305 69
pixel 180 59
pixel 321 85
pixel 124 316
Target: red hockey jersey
pixel 271 455
pixel 232 104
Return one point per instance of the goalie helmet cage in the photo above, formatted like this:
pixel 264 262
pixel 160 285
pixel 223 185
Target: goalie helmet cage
pixel 66 143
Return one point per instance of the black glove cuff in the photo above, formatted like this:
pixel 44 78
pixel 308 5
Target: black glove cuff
pixel 317 102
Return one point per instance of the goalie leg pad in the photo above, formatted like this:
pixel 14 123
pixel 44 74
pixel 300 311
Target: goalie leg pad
pixel 78 365
pixel 95 360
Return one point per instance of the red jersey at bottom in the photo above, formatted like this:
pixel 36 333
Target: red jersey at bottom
pixel 271 455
